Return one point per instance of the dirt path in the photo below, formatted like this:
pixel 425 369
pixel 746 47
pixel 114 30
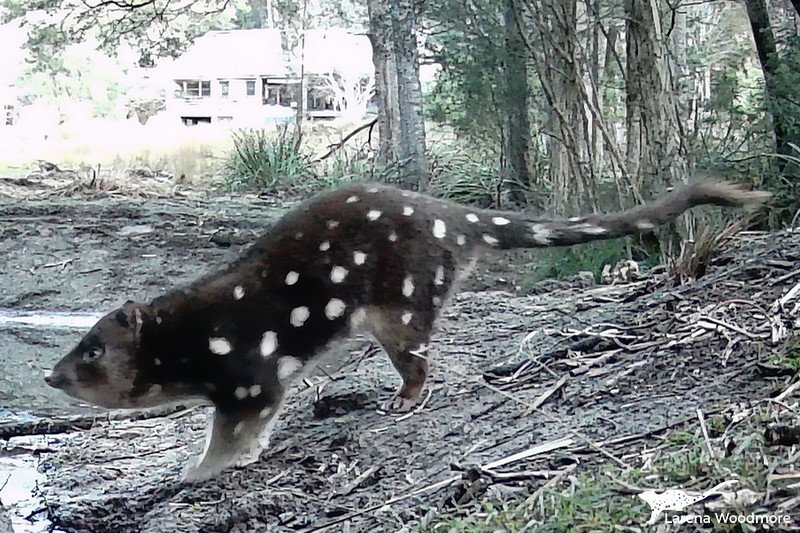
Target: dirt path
pixel 512 372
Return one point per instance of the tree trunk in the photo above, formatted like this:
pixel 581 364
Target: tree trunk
pixel 656 156
pixel 383 57
pixel 400 120
pixel 518 135
pixel 571 174
pixel 413 158
pixel 770 65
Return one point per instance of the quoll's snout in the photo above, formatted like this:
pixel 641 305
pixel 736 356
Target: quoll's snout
pixel 55 380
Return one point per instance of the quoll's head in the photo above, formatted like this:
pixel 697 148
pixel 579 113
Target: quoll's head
pixel 102 368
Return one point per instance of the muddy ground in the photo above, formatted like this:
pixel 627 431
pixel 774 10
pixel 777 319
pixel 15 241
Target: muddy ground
pixel 584 369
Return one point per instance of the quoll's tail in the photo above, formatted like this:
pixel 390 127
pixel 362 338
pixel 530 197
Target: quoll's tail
pixel 519 232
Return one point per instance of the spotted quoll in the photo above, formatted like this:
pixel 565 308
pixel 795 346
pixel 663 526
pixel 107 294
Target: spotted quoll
pixel 358 258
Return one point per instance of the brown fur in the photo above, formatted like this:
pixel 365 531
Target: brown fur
pixel 357 258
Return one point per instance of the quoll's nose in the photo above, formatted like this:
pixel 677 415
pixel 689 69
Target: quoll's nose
pixel 54 381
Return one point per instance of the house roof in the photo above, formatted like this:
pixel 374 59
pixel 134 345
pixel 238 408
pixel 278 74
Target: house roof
pixel 338 50
pixel 232 54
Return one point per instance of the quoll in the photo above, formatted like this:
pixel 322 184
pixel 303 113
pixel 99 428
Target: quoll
pixel 358 258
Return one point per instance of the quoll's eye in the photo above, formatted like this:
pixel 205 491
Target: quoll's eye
pixel 93 354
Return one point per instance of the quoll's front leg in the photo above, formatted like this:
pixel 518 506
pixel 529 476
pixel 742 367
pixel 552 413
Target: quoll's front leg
pixel 236 439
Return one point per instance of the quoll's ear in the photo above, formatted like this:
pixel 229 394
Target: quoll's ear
pixel 133 315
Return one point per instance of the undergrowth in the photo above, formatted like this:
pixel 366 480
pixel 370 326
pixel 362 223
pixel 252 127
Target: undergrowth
pixel 604 497
pixel 266 162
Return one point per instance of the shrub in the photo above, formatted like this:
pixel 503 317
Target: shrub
pixel 267 162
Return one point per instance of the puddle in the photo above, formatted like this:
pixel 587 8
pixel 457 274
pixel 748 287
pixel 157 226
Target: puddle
pixel 49 320
pixel 18 480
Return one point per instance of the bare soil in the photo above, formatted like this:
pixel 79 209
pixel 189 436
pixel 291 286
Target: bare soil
pixel 603 367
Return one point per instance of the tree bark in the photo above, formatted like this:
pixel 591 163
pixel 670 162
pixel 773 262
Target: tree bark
pixel 413 157
pixel 656 156
pixel 518 135
pixel 400 120
pixel 383 57
pixel 571 174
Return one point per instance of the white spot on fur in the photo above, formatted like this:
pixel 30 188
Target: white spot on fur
pixel 155 390
pixel 265 413
pixel 298 316
pixel 241 393
pixel 334 308
pixel 157 361
pixel 500 221
pixel 269 343
pixel 461 240
pixel 574 219
pixel 373 214
pixel 645 225
pixel 238 428
pixel 541 234
pixel 352 200
pixel 338 273
pixel 392 237
pixel 292 277
pixel 333 224
pixel 359 258
pixel 325 246
pixel 372 190
pixel 439 279
pixel 406 318
pixel 590 229
pixel 255 390
pixel 472 218
pixel 159 320
pixel 408 211
pixel 298 235
pixel 238 292
pixel 408 286
pixel 439 229
pixel 358 317
pixel 219 345
pixel 490 240
pixel 287 366
pixel 437 301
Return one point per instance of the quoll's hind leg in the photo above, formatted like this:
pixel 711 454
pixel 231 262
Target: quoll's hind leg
pixel 234 440
pixel 406 343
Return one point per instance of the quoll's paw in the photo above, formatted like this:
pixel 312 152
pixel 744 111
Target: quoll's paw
pixel 251 456
pixel 399 404
pixel 207 468
pixel 195 473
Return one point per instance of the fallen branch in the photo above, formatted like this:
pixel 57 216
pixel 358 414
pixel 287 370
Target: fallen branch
pixel 332 148
pixel 65 424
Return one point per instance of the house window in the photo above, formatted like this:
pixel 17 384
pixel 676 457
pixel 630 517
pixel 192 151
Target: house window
pixel 224 88
pixel 9 114
pixel 251 87
pixel 197 89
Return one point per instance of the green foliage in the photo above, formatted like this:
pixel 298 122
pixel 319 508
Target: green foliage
pixel 268 162
pixel 467 41
pixel 601 497
pixel 345 166
pixel 567 262
pixel 464 172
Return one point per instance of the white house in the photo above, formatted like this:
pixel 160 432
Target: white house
pixel 246 77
